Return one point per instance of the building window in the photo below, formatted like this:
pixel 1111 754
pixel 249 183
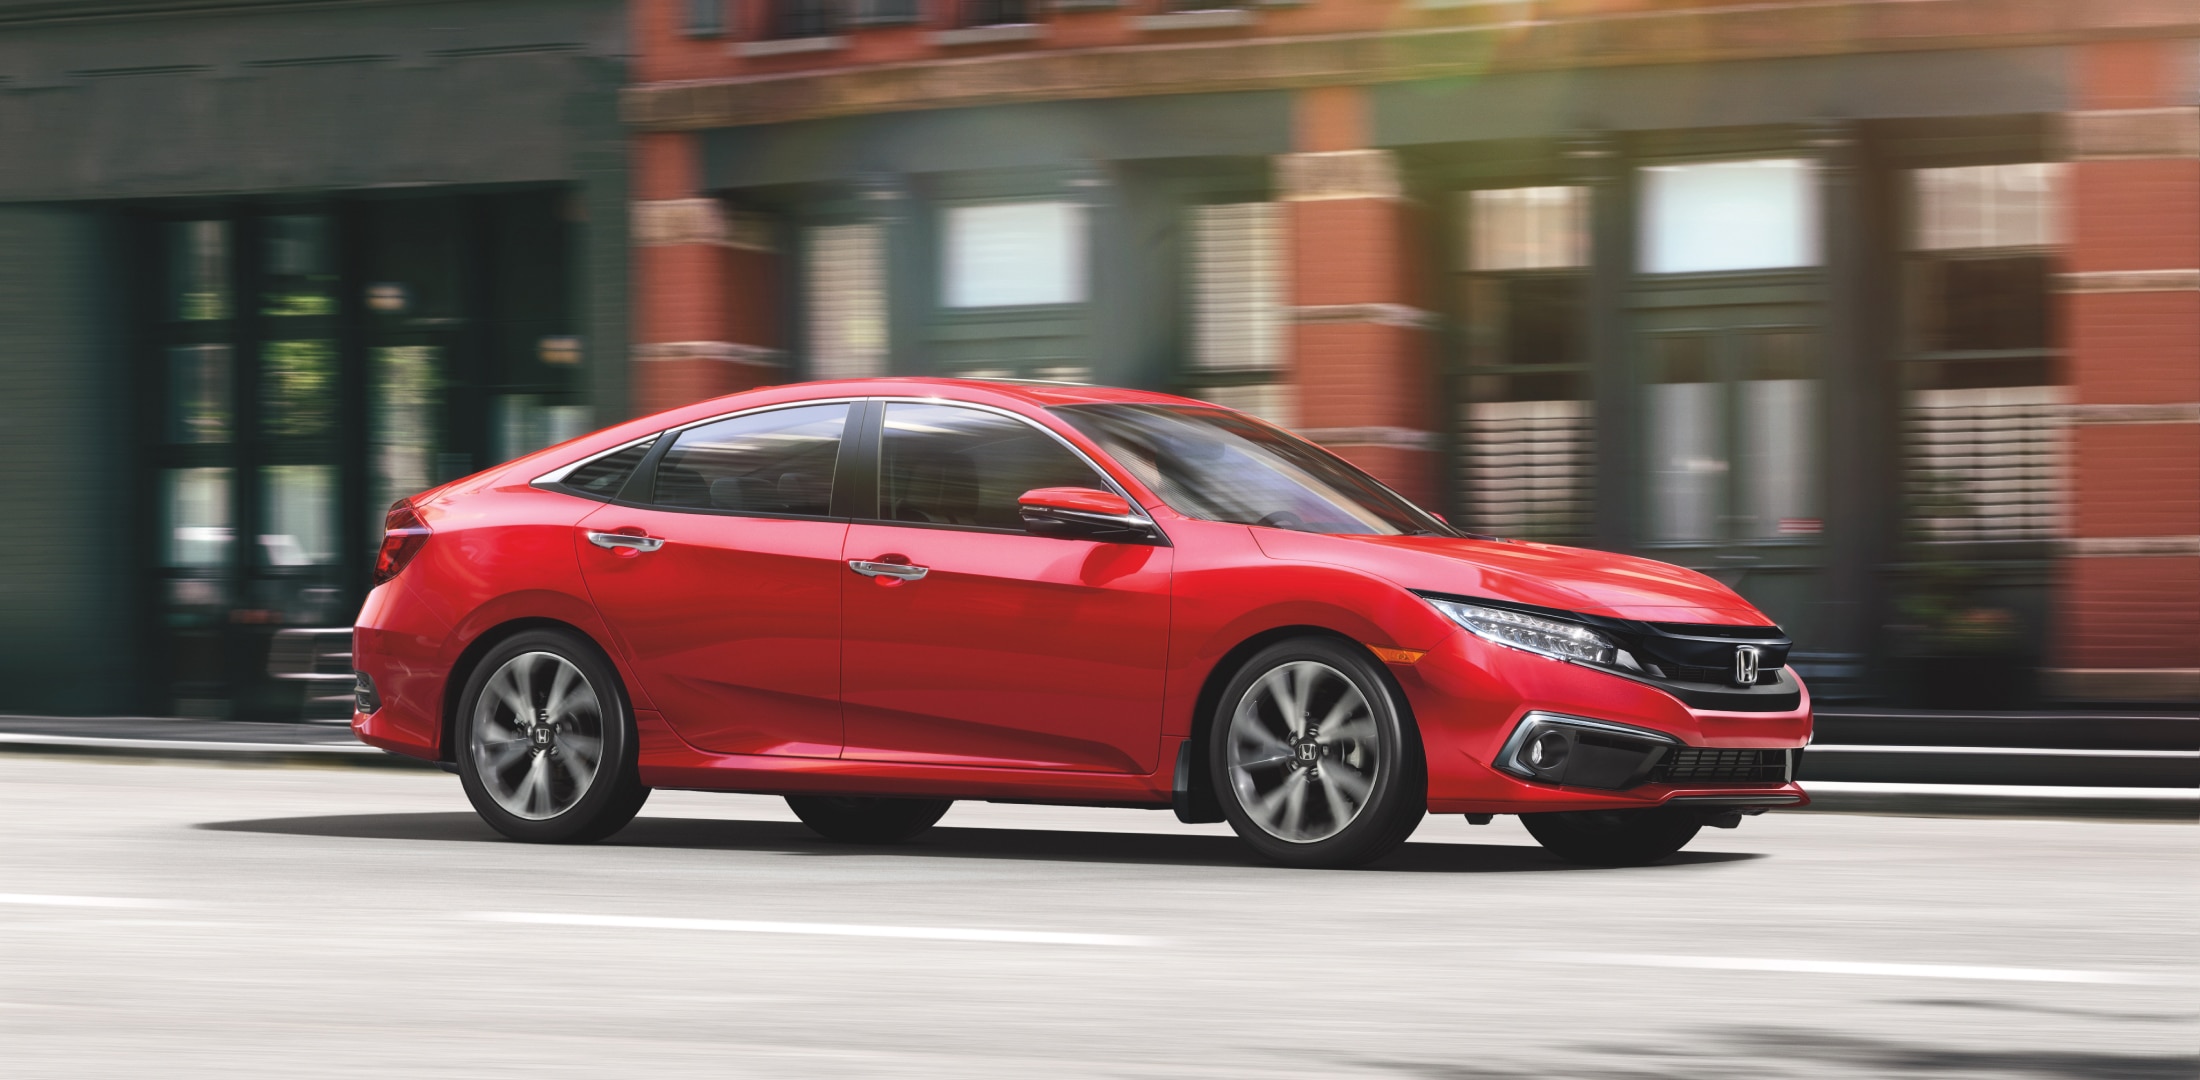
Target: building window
pixel 1238 312
pixel 996 12
pixel 1986 444
pixel 1729 215
pixel 845 290
pixel 1732 436
pixel 703 18
pixel 803 18
pixel 1015 254
pixel 1526 427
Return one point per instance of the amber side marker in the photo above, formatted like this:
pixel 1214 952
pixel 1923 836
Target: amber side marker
pixel 1397 656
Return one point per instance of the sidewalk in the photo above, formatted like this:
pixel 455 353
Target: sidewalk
pixel 2048 764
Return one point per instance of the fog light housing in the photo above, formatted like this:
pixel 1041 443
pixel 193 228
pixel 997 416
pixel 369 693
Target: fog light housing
pixel 1574 751
pixel 363 697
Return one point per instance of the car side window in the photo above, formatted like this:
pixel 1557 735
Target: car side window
pixel 778 461
pixel 946 465
pixel 603 477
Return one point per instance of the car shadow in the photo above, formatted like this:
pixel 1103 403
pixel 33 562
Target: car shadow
pixel 942 842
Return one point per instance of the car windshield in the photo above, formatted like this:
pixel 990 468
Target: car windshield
pixel 1224 466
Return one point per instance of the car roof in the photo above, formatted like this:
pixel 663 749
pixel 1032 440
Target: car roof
pixel 1037 392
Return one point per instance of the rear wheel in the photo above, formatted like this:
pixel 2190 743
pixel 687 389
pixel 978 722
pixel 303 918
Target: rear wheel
pixel 1314 757
pixel 546 748
pixel 862 820
pixel 1614 837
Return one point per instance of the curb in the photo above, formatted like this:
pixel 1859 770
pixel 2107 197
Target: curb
pixel 2003 800
pixel 327 755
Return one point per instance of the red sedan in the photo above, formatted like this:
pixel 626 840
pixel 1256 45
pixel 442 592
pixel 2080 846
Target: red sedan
pixel 876 597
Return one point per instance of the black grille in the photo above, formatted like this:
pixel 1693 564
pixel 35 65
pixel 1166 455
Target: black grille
pixel 1691 764
pixel 1690 673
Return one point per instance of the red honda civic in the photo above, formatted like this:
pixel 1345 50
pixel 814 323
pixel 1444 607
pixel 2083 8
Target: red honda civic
pixel 876 597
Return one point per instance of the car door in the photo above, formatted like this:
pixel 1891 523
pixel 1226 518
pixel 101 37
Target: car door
pixel 995 647
pixel 719 571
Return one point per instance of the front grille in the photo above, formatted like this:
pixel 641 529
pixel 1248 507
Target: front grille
pixel 1689 673
pixel 1692 764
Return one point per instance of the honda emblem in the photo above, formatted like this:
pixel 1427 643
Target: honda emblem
pixel 1745 665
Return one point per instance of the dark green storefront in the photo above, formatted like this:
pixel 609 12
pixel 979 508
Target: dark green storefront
pixel 264 268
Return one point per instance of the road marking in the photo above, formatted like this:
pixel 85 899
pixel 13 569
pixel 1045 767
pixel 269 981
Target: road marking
pixel 2013 791
pixel 48 900
pixel 744 926
pixel 1845 967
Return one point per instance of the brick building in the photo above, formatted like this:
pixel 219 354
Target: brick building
pixel 1886 313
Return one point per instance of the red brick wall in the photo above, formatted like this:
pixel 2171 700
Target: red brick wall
pixel 702 295
pixel 2119 610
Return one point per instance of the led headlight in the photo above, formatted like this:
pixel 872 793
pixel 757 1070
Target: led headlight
pixel 1555 638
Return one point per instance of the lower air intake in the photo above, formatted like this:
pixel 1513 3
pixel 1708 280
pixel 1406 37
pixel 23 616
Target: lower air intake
pixel 1690 765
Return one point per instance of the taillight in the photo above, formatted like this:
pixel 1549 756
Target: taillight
pixel 403 535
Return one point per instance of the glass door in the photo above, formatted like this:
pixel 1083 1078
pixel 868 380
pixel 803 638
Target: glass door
pixel 1732 461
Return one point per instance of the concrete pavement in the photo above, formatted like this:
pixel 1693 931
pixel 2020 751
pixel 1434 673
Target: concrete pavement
pixel 199 920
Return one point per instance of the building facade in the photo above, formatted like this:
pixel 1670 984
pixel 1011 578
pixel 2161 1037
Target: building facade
pixel 265 267
pixel 1887 314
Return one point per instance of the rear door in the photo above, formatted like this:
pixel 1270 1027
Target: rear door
pixel 995 647
pixel 720 573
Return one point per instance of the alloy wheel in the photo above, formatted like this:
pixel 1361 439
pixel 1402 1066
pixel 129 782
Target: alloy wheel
pixel 537 737
pixel 1302 751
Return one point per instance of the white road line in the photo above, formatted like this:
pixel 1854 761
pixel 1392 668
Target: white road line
pixel 48 900
pixel 744 926
pixel 2014 791
pixel 1844 967
pixel 2006 751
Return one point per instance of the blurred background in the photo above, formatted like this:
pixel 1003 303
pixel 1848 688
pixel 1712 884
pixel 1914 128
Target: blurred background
pixel 1885 313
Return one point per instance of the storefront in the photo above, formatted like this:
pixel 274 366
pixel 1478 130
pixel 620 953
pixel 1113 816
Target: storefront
pixel 320 258
pixel 1797 313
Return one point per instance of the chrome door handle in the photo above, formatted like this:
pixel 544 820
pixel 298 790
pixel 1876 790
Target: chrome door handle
pixel 903 571
pixel 624 540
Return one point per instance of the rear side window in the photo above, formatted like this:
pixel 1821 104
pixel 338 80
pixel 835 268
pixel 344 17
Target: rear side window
pixel 944 465
pixel 604 476
pixel 777 462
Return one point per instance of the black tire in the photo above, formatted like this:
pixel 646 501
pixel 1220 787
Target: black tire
pixel 571 809
pixel 1374 780
pixel 1614 837
pixel 850 819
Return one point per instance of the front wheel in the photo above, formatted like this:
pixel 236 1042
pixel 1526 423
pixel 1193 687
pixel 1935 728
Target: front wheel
pixel 861 820
pixel 1315 758
pixel 1613 837
pixel 546 747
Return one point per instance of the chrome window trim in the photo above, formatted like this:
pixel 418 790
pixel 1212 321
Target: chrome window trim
pixel 1143 515
pixel 558 475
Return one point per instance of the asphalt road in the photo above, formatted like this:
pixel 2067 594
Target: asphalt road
pixel 188 920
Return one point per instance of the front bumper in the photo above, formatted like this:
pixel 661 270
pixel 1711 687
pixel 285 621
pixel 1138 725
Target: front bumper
pixel 1642 745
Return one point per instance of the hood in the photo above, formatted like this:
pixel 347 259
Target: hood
pixel 1542 575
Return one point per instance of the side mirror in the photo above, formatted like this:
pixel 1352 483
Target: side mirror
pixel 1076 513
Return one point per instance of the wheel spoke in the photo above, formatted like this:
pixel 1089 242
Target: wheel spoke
pixel 1294 808
pixel 1353 782
pixel 577 771
pixel 501 754
pixel 560 685
pixel 1349 704
pixel 1287 701
pixel 585 747
pixel 503 687
pixel 1341 809
pixel 1360 727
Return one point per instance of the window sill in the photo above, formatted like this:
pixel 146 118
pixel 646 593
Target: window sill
pixel 1061 6
pixel 1221 19
pixel 988 35
pixel 791 46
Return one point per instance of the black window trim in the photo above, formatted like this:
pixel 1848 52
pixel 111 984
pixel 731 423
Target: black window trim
pixel 639 491
pixel 875 470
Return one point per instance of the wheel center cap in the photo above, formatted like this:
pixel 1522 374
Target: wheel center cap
pixel 1307 751
pixel 540 735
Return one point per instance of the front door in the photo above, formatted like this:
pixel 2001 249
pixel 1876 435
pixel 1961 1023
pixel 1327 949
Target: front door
pixel 1732 423
pixel 724 587
pixel 1010 650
